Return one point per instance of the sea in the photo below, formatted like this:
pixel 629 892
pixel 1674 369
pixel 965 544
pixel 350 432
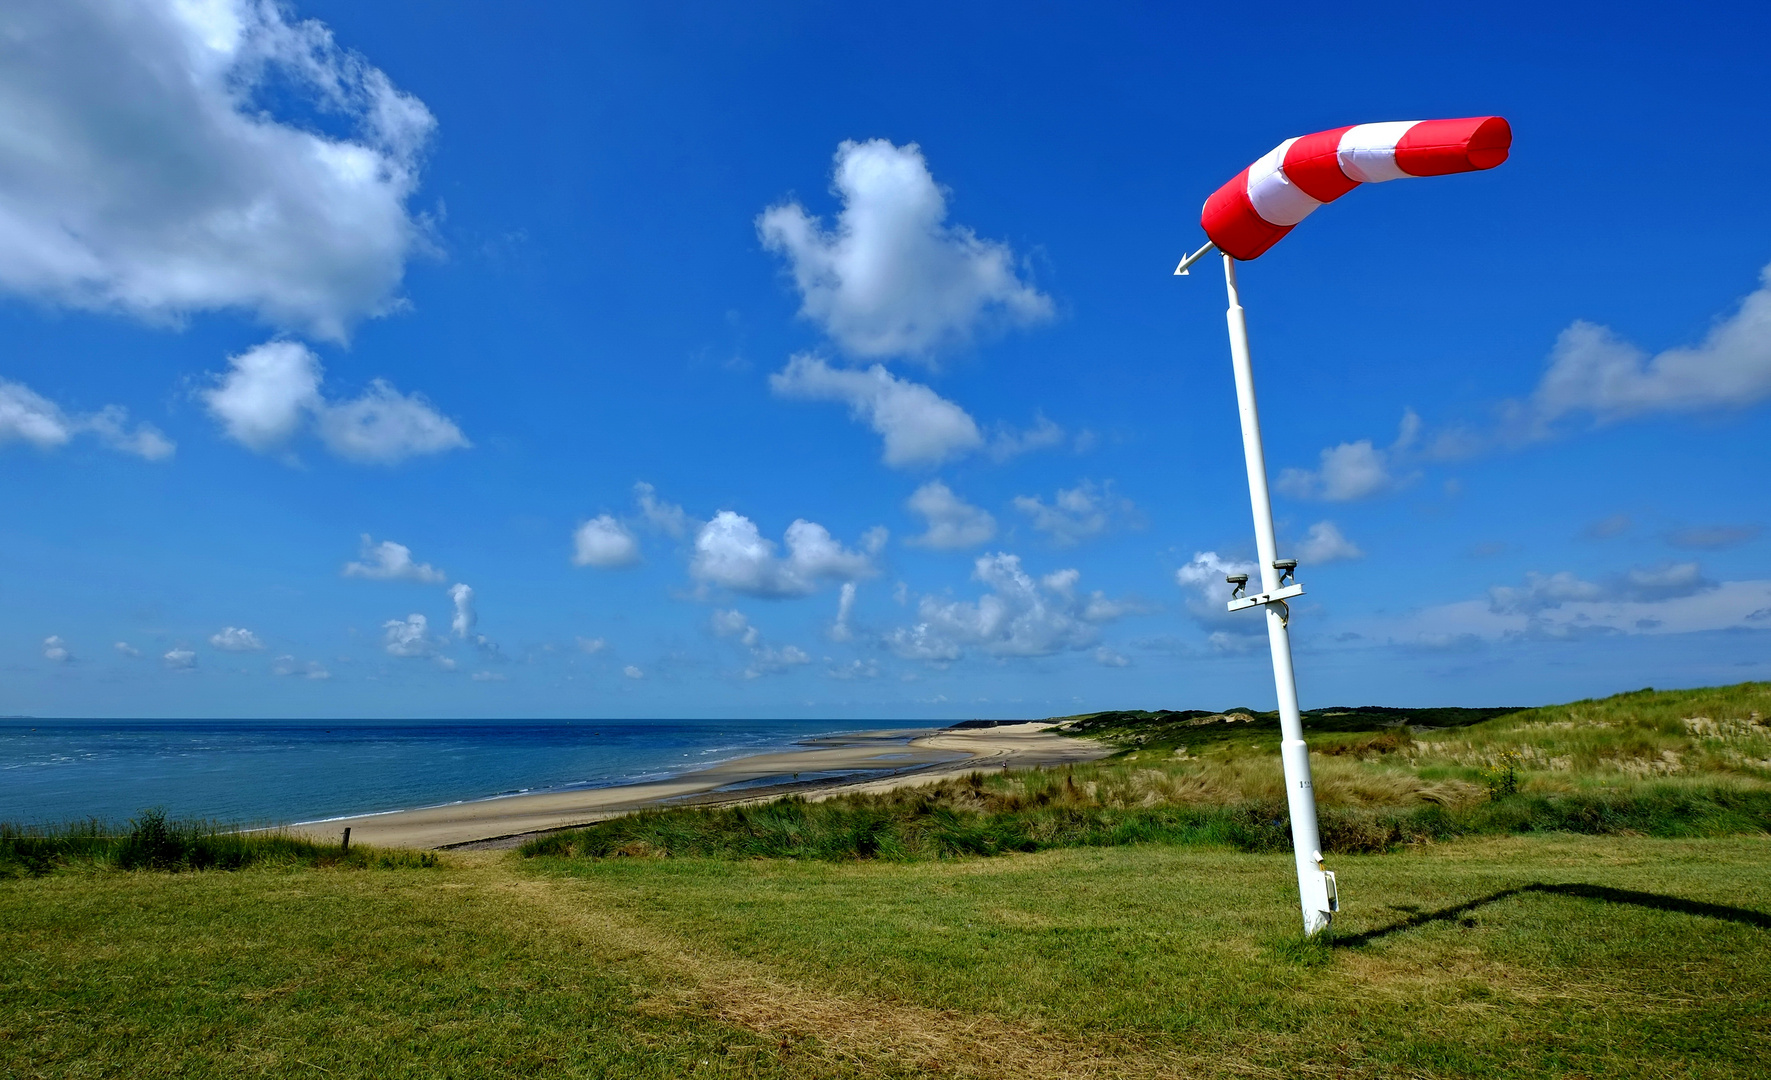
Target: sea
pixel 263 772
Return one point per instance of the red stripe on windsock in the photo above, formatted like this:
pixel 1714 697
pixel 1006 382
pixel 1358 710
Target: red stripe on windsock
pixel 1313 164
pixel 1441 147
pixel 1231 223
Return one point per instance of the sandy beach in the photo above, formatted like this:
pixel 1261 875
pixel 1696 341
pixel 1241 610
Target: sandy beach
pixel 862 761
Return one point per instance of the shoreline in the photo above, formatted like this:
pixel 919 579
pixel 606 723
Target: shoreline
pixel 862 761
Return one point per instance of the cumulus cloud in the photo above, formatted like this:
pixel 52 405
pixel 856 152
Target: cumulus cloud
pixel 462 597
pixel 1325 544
pixel 1592 370
pixel 388 561
pixel 1108 658
pixel 763 658
pixel 385 427
pixel 633 672
pixel 1356 470
pixel 1075 514
pixel 855 669
pixel 604 542
pixel 235 639
pixel 920 427
pixel 1017 616
pixel 1641 585
pixel 1007 442
pixel 273 392
pixel 952 522
pixel 26 416
pixel 893 278
pixel 126 649
pixel 667 518
pixel 490 676
pixel 289 666
pixel 163 158
pixel 731 552
pixel 56 650
pixel 1208 593
pixel 180 659
pixel 408 637
pixel 591 646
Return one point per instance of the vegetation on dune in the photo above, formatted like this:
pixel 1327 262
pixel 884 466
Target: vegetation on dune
pixel 151 841
pixel 1666 764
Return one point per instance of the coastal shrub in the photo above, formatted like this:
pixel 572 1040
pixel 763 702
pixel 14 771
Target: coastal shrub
pixel 153 842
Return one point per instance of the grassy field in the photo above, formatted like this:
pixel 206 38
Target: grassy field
pixel 1542 939
pixel 1515 956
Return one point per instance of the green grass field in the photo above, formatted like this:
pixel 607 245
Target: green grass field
pixel 1519 951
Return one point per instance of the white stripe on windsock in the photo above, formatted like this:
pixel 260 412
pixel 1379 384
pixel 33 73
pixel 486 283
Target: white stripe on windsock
pixel 1274 196
pixel 1368 151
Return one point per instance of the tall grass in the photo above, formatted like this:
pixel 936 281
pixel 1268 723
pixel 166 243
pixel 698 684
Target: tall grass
pixel 152 841
pixel 1664 764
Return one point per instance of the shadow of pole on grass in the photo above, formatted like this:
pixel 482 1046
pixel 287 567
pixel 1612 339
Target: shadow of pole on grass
pixel 1655 901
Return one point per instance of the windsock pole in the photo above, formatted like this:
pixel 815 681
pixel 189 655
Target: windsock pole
pixel 1316 886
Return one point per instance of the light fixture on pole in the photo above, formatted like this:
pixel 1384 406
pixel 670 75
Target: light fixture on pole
pixel 1242 220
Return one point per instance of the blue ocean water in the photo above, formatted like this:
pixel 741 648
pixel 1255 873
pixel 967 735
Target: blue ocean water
pixel 263 772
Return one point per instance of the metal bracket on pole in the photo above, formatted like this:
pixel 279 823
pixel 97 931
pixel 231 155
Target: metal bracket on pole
pixel 1275 597
pixel 1182 271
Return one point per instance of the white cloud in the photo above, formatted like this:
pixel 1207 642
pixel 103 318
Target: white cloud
pixel 489 676
pixel 920 427
pixel 1640 585
pixel 408 637
pixel 289 666
pixel 1108 658
pixel 180 659
pixel 462 597
pixel 632 672
pixel 273 392
pixel 952 522
pixel 388 561
pixel 268 395
pixel 1355 470
pixel 55 649
pixel 26 416
pixel 855 669
pixel 730 552
pixel 1075 514
pixel 126 649
pixel 1208 592
pixel 235 639
pixel 603 541
pixel 591 646
pixel 845 607
pixel 1325 544
pixel 893 278
pixel 385 427
pixel 667 518
pixel 144 167
pixel 1016 617
pixel 764 659
pixel 1006 442
pixel 1593 370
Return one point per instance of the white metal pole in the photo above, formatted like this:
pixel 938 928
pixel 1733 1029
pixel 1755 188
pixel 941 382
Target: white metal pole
pixel 1315 886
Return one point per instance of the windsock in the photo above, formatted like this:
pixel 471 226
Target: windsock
pixel 1253 212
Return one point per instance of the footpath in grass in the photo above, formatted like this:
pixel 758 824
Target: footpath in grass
pixel 1513 956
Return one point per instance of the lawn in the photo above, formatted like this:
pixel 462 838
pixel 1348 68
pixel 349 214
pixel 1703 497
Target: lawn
pixel 1512 956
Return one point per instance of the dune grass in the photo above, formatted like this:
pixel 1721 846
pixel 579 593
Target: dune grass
pixel 1663 764
pixel 151 841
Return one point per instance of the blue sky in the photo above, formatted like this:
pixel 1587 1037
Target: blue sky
pixel 411 359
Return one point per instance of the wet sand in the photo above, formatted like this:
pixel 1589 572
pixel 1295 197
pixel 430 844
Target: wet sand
pixel 863 761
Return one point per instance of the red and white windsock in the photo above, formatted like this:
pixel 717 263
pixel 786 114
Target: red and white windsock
pixel 1253 212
